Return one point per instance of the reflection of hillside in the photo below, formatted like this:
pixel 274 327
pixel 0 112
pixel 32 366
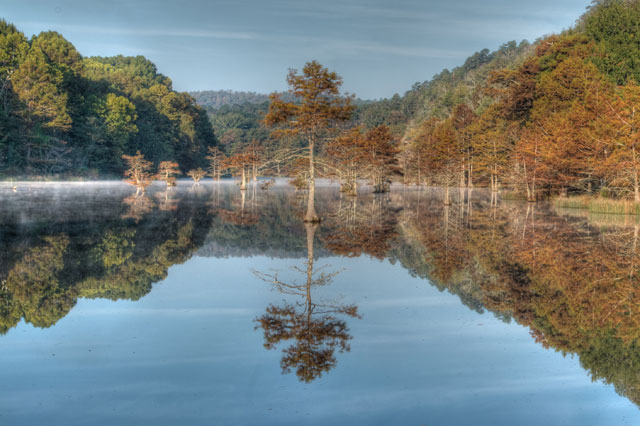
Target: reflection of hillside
pixel 47 268
pixel 574 285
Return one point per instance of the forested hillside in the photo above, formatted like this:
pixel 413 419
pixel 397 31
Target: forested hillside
pixel 62 113
pixel 437 97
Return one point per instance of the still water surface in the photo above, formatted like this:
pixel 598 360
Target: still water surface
pixel 207 306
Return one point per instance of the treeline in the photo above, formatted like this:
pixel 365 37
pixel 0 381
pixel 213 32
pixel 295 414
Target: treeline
pixel 61 113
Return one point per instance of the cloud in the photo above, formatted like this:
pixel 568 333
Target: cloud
pixel 148 32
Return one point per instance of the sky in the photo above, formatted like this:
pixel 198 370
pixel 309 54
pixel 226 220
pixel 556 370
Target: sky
pixel 378 47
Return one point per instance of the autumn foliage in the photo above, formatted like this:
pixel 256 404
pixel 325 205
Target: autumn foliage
pixel 196 175
pixel 167 171
pixel 138 172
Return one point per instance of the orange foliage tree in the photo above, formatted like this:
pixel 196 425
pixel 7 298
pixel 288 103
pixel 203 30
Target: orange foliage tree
pixel 138 172
pixel 622 144
pixel 238 164
pixel 167 170
pixel 379 157
pixel 196 175
pixel 319 108
pixel 344 154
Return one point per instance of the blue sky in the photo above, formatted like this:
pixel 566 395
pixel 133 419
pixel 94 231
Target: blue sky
pixel 379 47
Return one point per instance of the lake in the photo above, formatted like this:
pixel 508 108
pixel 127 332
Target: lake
pixel 207 305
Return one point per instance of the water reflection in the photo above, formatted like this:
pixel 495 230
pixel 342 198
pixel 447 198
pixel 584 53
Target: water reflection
pixel 571 278
pixel 60 247
pixel 312 324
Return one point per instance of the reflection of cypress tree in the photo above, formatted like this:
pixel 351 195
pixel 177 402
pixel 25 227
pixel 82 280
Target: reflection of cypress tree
pixel 316 332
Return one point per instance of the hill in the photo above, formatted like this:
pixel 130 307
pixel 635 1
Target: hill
pixel 62 113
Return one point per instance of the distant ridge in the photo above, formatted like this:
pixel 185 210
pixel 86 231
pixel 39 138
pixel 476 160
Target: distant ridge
pixel 215 99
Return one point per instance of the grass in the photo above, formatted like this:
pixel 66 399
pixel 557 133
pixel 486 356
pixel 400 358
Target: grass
pixel 598 204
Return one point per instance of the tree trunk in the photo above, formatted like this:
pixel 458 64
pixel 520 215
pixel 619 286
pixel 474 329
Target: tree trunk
pixel 447 197
pixel 311 215
pixel 243 183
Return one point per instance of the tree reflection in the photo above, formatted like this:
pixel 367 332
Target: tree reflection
pixel 240 215
pixel 137 206
pixel 167 201
pixel 314 326
pixel 356 229
pixel 574 283
pixel 44 270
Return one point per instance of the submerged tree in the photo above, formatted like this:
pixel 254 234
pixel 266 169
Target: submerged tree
pixel 238 164
pixel 167 170
pixel 316 331
pixel 138 172
pixel 319 108
pixel 196 175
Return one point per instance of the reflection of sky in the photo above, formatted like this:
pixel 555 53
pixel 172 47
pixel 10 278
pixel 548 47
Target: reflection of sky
pixel 188 353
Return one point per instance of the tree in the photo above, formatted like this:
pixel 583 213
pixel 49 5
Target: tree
pixel 345 155
pixel 239 163
pixel 379 157
pixel 492 139
pixel 254 154
pixel 38 85
pixel 216 159
pixel 622 163
pixel 319 108
pixel 167 170
pixel 119 116
pixel 442 154
pixel 138 172
pixel 462 118
pixel 13 49
pixel 613 24
pixel 196 175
